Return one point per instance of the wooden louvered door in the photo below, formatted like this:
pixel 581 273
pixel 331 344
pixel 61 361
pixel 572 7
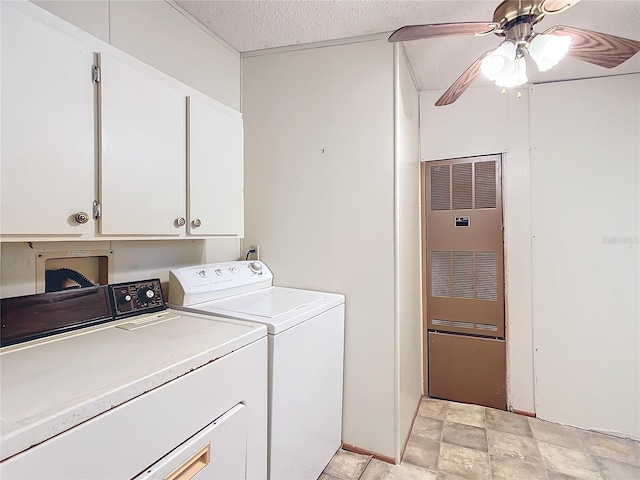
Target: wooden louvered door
pixel 465 278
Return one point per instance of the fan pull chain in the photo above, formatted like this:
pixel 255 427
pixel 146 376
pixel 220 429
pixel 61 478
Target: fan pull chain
pixel 519 95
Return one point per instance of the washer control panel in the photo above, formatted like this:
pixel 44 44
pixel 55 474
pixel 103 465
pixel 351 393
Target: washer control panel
pixel 136 298
pixel 211 281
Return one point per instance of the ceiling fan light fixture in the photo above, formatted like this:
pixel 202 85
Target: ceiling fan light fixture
pixel 500 62
pixel 548 50
pixel 517 76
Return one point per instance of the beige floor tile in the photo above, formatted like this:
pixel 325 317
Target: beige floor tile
pixel 440 475
pixel 406 471
pixel 621 449
pixel 433 408
pixel 569 462
pixel 467 414
pixel 422 452
pixel 507 422
pixel 614 470
pixel 376 470
pixel 464 462
pixel 510 468
pixel 453 441
pixel 551 475
pixel 347 465
pixel 516 446
pixel 560 435
pixel 427 427
pixel 465 436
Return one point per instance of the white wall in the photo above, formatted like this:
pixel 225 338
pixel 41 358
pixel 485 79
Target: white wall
pixel 163 36
pixel 160 35
pixel 483 121
pixel 407 248
pixel 319 200
pixel 92 17
pixel 585 167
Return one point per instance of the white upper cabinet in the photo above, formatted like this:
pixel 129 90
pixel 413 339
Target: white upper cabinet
pixel 143 153
pixel 48 156
pixel 215 171
pixel 120 141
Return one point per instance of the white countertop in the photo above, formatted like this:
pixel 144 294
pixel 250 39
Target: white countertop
pixel 50 385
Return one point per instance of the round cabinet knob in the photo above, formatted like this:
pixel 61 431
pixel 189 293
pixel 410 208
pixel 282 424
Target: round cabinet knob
pixel 256 267
pixel 180 222
pixel 81 217
pixel 195 223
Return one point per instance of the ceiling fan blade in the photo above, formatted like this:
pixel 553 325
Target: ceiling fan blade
pixel 419 32
pixel 598 48
pixel 462 83
pixel 556 6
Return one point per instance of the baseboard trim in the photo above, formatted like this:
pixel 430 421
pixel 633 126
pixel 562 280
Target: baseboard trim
pixel 415 414
pixel 362 451
pixel 526 414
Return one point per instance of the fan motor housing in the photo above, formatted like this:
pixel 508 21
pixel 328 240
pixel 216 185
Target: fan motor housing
pixel 514 12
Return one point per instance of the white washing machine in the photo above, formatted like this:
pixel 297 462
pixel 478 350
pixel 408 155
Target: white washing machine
pixel 305 350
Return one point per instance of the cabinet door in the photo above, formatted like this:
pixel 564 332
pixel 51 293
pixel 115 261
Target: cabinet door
pixel 143 150
pixel 215 171
pixel 48 156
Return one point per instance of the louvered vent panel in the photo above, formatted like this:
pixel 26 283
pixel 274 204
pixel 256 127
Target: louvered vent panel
pixel 440 274
pixel 486 276
pixel 485 184
pixel 486 326
pixel 463 274
pixel 461 174
pixel 440 190
pixel 463 324
pixel 441 323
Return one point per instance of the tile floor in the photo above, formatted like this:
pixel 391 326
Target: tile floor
pixel 455 441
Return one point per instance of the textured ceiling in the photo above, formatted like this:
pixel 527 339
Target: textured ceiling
pixel 249 25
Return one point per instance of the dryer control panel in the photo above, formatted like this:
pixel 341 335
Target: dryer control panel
pixel 136 298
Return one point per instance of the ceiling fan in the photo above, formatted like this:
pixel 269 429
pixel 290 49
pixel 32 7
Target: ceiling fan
pixel 514 20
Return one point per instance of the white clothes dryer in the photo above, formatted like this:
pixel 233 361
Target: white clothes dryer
pixel 106 382
pixel 305 356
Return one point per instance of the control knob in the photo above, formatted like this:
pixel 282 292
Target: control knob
pixel 256 267
pixel 145 294
pixel 124 299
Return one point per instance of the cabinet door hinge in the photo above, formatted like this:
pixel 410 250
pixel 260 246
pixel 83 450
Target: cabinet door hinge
pixel 97 210
pixel 96 74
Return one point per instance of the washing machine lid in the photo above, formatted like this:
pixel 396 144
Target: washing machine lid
pixel 279 308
